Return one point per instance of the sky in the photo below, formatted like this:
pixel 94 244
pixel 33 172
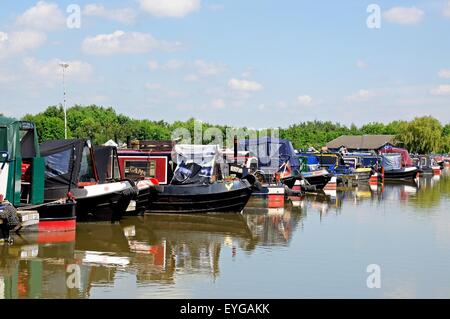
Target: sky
pixel 254 63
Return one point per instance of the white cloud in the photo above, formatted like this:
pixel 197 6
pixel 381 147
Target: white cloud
pixel 218 104
pixel 208 69
pixel 198 68
pixel 51 70
pixel 120 42
pixel 43 16
pixel 446 11
pixel 360 64
pixel 172 8
pixel 361 95
pixel 125 15
pixel 153 65
pixel 443 89
pixel 3 37
pixel 444 73
pixel 170 65
pixel 304 100
pixel 404 15
pixel 244 85
pixel 19 42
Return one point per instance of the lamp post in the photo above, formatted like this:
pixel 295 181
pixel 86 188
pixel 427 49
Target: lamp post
pixel 64 67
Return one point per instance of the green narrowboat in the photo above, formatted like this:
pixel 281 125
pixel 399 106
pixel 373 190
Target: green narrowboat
pixel 22 176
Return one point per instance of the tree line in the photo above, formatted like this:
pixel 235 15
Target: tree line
pixel 99 124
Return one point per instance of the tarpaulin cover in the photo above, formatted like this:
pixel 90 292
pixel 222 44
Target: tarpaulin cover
pixel 392 161
pixel 271 153
pixel 195 163
pixel 406 159
pixel 67 162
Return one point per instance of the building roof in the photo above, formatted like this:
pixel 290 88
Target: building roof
pixel 366 142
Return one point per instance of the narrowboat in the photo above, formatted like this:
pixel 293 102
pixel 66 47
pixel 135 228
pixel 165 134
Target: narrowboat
pixel 397 164
pixel 70 168
pixel 109 169
pixel 393 169
pixel 22 175
pixel 278 157
pixel 427 165
pixel 198 186
pixel 148 164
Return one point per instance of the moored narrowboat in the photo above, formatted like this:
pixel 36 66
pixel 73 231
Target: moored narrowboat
pixel 198 185
pixel 22 174
pixel 70 168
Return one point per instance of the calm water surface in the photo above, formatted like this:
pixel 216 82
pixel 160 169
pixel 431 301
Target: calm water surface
pixel 318 246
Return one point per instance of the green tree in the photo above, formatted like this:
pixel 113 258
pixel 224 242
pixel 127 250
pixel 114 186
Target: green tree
pixel 48 127
pixel 395 127
pixel 422 135
pixel 446 130
pixel 373 128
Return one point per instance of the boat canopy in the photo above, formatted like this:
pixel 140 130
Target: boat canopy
pixel 406 159
pixel 107 163
pixel 195 163
pixel 267 149
pixel 18 138
pixel 392 161
pixel 67 164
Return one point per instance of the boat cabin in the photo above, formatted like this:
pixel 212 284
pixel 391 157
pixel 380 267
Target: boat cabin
pixel 143 164
pixel 69 164
pixel 21 167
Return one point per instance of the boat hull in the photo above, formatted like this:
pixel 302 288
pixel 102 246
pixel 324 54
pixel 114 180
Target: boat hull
pixel 217 197
pixel 109 206
pixel 401 174
pixel 318 181
pixel 57 217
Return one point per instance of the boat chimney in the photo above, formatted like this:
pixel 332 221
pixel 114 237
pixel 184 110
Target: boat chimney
pixel 235 150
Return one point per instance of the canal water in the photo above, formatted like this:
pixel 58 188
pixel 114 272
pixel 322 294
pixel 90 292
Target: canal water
pixel 390 242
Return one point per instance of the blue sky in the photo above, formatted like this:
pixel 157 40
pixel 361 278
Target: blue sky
pixel 258 63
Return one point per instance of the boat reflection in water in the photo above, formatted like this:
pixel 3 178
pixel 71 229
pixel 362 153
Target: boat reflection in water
pixel 182 256
pixel 423 192
pixel 153 249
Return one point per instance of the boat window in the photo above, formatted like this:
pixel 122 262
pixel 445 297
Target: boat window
pixel 27 143
pixel 3 139
pixel 115 163
pixel 58 164
pixel 140 169
pixel 327 160
pixel 86 169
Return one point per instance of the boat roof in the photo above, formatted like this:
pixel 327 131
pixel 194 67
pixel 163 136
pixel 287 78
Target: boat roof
pixel 370 142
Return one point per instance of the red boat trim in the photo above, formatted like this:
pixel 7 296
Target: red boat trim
pixel 56 237
pixel 55 226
